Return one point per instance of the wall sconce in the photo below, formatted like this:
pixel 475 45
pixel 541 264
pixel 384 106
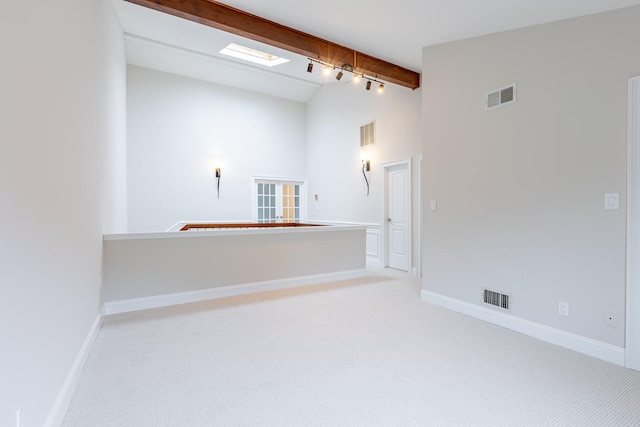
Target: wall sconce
pixel 366 167
pixel 218 175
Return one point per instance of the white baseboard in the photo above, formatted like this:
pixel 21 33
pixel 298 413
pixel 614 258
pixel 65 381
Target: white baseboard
pixel 578 343
pixel 373 263
pixel 59 408
pixel 156 301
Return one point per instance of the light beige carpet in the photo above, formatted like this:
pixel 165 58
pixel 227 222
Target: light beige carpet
pixel 365 352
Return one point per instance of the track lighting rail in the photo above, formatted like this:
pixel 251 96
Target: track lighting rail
pixel 346 68
pixel 235 21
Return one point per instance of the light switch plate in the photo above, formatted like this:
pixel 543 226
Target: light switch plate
pixel 433 205
pixel 612 201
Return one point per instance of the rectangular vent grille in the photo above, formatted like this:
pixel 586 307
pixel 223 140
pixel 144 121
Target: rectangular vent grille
pixel 496 298
pixel 506 95
pixel 368 134
pixel 503 96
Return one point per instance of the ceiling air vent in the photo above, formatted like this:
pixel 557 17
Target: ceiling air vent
pixel 368 134
pixel 496 298
pixel 500 97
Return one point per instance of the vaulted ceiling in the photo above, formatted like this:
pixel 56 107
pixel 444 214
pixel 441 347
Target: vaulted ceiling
pixel 393 32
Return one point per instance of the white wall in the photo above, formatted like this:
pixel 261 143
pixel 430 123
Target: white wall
pixel 520 189
pixel 62 116
pixel 179 128
pixel 334 116
pixel 178 265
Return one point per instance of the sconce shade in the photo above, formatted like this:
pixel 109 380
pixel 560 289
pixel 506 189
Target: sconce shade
pixel 364 155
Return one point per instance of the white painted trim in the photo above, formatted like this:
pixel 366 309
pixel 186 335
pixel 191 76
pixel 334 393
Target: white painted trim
pixel 373 263
pixel 279 181
pixel 156 301
pixel 177 226
pixel 373 244
pixel 231 232
pixel 59 408
pixel 578 343
pixel 418 234
pixel 633 228
pixel 367 224
pixel 384 257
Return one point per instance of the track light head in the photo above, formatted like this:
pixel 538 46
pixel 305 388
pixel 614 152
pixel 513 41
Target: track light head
pixel 346 68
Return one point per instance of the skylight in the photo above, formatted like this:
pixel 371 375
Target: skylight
pixel 252 55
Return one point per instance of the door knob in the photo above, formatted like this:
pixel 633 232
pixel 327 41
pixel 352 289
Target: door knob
pixel 388 219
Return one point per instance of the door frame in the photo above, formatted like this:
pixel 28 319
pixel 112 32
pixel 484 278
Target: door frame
pixel 278 181
pixel 418 219
pixel 385 203
pixel 632 338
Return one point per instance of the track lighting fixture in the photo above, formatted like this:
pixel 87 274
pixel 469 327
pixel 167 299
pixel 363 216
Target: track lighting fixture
pixel 357 75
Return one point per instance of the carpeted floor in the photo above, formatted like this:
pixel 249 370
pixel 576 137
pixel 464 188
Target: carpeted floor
pixel 363 352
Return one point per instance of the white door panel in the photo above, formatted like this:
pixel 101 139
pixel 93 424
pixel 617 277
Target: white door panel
pixel 398 217
pixel 397 242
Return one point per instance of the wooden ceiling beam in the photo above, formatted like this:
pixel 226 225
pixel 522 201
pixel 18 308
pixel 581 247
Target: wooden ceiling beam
pixel 235 21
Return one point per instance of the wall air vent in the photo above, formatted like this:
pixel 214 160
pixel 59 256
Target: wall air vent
pixel 367 134
pixel 496 298
pixel 500 97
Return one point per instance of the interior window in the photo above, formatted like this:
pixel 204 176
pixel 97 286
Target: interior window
pixel 278 201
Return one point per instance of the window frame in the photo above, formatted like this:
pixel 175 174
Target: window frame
pixel 279 182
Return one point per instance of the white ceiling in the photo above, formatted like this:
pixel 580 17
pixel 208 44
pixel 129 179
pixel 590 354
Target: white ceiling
pixel 393 31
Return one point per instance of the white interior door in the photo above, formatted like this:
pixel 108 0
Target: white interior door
pixel 398 216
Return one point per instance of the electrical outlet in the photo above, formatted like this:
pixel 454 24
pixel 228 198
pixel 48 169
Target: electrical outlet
pixel 563 308
pixel 611 319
